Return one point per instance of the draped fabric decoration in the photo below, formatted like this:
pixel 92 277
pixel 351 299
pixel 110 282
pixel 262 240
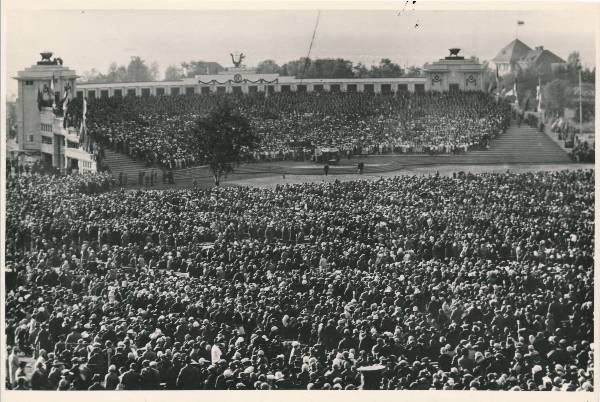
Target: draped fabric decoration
pixel 245 81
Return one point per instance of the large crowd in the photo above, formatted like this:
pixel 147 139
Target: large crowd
pixel 156 129
pixel 470 282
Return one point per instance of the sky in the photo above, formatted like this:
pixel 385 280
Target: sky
pixel 87 39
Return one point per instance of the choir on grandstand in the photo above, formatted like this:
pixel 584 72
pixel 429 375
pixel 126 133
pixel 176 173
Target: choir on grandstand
pixel 291 125
pixel 471 282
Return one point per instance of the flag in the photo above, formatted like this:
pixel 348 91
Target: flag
pixel 497 79
pixel 65 105
pixel 40 99
pixel 520 22
pixel 52 92
pixel 82 129
pixel 539 94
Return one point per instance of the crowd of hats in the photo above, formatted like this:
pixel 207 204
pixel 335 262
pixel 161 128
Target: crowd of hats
pixel 156 129
pixel 478 282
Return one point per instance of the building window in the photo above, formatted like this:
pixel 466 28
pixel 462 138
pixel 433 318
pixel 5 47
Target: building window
pixel 118 93
pixel 145 92
pixel 104 93
pixel 270 89
pixel 131 92
pixel 221 90
pixel 71 144
pixel 301 88
pixel 351 88
pixel 386 88
pixel 318 88
pixel 285 88
pixel 174 91
pixel 402 88
pixel 252 89
pixel 79 94
pixel 369 88
pixel 160 91
pixel 28 82
pixel 237 90
pixel 189 90
pixel 46 140
pixel 419 88
pixel 334 88
pixel 91 94
pixel 205 90
pixel 30 137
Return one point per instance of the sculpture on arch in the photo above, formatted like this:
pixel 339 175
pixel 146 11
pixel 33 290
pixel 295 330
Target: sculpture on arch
pixel 237 63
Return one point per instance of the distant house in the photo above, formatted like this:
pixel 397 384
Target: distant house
pixel 507 59
pixel 541 59
pixel 517 55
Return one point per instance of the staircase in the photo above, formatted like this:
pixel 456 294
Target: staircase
pixel 523 144
pixel 120 163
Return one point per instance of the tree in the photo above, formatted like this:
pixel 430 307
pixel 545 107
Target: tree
pixel 154 71
pixel 199 67
pixel 222 137
pixel 527 81
pixel 588 75
pixel 556 96
pixel 574 61
pixel 386 69
pixel 296 68
pixel 173 73
pixel 137 70
pixel 92 76
pixel 267 67
pixel 318 68
pixel 413 71
pixel 117 73
pixel 360 71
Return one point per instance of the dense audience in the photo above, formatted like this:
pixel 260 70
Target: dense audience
pixel 156 129
pixel 471 282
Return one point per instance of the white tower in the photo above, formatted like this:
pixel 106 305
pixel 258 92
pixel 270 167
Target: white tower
pixel 40 134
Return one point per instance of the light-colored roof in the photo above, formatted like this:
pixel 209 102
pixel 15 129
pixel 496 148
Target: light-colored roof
pixel 512 53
